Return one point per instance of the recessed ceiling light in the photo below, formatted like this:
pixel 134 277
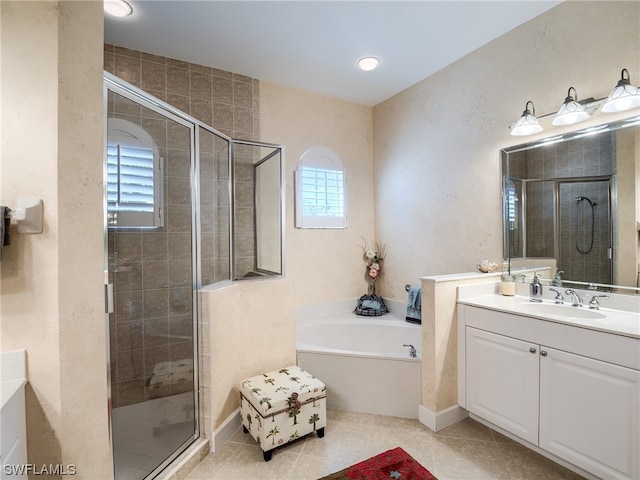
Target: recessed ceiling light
pixel 117 8
pixel 368 63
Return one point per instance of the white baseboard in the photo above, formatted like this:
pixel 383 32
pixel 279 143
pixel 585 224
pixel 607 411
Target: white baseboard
pixel 442 419
pixel 225 431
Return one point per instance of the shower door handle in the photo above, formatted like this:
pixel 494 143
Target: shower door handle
pixel 609 253
pixel 108 298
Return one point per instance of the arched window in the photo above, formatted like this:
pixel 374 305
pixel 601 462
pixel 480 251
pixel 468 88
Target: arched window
pixel 134 176
pixel 320 190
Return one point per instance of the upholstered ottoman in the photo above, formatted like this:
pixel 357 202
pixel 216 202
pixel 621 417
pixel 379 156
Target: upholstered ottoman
pixel 278 407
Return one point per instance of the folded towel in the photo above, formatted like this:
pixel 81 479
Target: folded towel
pixel 373 304
pixel 414 305
pixel 415 298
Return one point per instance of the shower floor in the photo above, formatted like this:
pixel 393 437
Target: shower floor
pixel 146 433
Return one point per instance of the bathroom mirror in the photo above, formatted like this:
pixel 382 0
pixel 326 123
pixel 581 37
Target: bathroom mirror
pixel 572 202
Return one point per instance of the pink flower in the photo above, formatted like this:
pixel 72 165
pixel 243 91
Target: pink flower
pixel 374 272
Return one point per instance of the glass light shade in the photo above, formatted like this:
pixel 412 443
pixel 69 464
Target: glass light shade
pixel 624 97
pixel 570 112
pixel 117 8
pixel 527 124
pixel 368 63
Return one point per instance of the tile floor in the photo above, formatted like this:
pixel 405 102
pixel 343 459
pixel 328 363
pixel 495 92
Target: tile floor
pixel 467 450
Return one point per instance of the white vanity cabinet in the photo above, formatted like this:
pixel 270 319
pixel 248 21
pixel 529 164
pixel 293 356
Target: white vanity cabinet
pixel 590 413
pixel 571 392
pixel 502 384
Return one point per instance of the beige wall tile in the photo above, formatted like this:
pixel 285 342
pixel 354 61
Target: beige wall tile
pixel 222 89
pixel 154 76
pixel 243 94
pixel 199 85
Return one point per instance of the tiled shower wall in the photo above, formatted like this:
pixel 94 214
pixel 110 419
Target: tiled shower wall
pixel 229 103
pixel 224 100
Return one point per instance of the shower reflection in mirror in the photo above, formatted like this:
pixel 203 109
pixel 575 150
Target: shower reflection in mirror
pixel 572 203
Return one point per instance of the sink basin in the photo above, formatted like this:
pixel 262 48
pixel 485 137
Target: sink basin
pixel 566 311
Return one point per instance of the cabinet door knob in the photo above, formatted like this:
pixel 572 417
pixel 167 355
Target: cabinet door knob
pixel 543 353
pixel 532 350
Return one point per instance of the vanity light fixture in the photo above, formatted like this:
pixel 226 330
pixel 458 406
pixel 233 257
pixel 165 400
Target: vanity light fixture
pixel 117 8
pixel 368 63
pixel 571 111
pixel 624 97
pixel 527 124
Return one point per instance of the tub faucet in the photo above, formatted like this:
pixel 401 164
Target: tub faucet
pixel 577 301
pixel 412 350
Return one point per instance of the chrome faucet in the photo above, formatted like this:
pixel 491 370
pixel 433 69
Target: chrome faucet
pixel 559 298
pixel 412 350
pixel 577 301
pixel 593 303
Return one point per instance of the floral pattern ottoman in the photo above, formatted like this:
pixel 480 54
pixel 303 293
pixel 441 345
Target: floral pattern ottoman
pixel 280 406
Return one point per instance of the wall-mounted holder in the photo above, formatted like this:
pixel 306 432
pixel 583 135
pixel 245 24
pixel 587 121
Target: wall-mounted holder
pixel 28 215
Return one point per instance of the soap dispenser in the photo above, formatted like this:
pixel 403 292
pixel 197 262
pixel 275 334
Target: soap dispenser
pixel 535 289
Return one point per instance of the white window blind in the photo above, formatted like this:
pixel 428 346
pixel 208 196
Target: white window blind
pixel 512 198
pixel 321 190
pixel 130 173
pixel 134 177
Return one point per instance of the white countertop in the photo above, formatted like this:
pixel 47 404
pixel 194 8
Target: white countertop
pixel 618 322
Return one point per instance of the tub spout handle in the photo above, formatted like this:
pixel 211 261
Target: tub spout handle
pixel 412 350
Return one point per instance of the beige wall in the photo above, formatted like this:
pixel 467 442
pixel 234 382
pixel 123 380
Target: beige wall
pixel 248 327
pixel 325 265
pixel 51 292
pixel 436 144
pixel 626 260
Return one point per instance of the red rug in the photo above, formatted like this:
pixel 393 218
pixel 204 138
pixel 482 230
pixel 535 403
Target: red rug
pixel 393 464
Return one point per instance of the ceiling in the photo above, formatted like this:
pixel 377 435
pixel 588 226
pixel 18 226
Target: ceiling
pixel 314 45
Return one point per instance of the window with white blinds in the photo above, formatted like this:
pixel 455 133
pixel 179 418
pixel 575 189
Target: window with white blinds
pixel 321 190
pixel 130 173
pixel 134 177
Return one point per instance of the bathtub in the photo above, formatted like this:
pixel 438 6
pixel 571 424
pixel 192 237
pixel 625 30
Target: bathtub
pixel 363 362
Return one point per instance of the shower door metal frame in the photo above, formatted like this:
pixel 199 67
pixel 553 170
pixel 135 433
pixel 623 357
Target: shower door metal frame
pixel 278 149
pixel 114 84
pixel 610 179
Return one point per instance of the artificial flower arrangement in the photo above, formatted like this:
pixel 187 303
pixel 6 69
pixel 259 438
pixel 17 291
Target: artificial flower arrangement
pixel 372 304
pixel 373 258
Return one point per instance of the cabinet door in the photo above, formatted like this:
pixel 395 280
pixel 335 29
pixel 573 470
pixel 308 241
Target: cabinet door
pixel 590 413
pixel 502 382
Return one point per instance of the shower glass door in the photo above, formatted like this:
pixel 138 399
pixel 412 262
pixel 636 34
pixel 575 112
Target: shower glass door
pixel 150 219
pixel 585 230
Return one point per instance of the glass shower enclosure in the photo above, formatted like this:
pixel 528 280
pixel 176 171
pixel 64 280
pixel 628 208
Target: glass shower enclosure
pixel 185 206
pixel 152 276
